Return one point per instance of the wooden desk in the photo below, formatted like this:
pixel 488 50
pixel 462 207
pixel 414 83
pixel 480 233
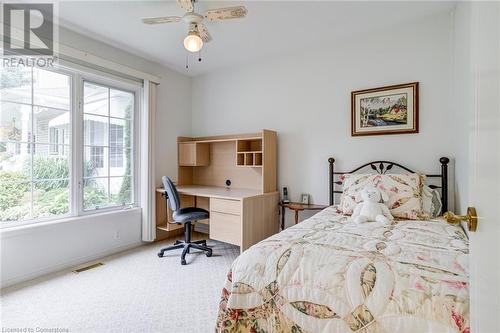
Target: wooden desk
pixel 240 217
pixel 243 215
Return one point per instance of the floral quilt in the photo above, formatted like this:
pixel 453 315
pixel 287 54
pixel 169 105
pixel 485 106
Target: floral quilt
pixel 327 274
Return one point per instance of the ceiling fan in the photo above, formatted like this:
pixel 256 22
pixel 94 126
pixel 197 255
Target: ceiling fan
pixel 198 32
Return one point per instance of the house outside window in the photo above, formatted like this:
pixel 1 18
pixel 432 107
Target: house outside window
pixel 116 146
pixel 97 157
pixel 54 140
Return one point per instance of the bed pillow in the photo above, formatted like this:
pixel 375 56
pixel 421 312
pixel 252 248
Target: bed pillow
pixel 404 190
pixel 431 202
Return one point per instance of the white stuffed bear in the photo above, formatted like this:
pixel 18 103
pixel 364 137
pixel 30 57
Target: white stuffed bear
pixel 371 208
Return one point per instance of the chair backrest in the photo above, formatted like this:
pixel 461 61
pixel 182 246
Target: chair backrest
pixel 173 196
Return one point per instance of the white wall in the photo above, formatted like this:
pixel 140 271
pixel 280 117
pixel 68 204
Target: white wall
pixel 306 98
pixel 173 119
pixel 49 247
pixel 30 252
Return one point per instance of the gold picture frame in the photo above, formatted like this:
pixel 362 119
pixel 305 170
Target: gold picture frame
pixel 385 110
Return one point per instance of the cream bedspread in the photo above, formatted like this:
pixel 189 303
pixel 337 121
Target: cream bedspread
pixel 327 274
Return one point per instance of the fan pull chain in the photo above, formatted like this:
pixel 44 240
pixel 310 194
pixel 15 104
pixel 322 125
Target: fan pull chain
pixel 199 56
pixel 187 61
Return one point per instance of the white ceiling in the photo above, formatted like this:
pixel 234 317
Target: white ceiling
pixel 271 28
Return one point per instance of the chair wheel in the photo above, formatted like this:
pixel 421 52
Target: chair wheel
pixel 160 255
pixel 183 262
pixel 209 253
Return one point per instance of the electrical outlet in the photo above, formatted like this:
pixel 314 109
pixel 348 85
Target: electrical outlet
pixel 117 235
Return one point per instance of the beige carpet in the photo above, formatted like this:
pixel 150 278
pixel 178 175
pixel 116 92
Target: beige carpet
pixel 135 291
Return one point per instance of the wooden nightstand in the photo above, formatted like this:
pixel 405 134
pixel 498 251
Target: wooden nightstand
pixel 297 207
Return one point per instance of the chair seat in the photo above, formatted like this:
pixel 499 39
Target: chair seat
pixel 190 214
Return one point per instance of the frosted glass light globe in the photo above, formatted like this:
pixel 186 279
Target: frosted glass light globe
pixel 193 42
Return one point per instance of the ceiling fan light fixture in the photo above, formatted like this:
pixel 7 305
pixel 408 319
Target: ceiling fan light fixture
pixel 198 34
pixel 193 42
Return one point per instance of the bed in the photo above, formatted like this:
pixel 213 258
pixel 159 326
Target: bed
pixel 328 274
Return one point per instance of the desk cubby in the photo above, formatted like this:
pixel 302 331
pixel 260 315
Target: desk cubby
pixel 249 152
pixel 249 159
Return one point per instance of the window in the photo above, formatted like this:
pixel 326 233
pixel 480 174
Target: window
pixel 97 157
pixel 54 140
pixel 37 167
pixel 108 114
pixel 116 140
pixel 34 163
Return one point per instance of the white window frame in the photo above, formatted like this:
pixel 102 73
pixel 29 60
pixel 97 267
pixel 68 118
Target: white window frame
pixel 79 144
pixel 79 74
pixel 31 147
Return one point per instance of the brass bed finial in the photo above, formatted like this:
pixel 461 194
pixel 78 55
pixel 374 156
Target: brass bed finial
pixel 470 218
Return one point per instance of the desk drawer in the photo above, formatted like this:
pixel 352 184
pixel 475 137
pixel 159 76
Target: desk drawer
pixel 225 206
pixel 225 227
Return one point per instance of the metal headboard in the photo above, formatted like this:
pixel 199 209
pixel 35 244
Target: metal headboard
pixel 381 167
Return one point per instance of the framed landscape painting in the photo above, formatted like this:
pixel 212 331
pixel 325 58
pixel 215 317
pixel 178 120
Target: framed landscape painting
pixel 385 110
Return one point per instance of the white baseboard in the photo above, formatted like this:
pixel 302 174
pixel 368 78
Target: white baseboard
pixel 65 265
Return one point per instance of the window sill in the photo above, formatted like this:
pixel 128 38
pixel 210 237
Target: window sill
pixel 7 232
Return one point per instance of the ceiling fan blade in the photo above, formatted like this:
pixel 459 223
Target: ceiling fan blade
pixel 161 20
pixel 187 5
pixel 225 13
pixel 204 34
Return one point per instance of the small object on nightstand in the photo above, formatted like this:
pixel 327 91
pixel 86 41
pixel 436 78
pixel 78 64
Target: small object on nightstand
pixel 285 195
pixel 304 198
pixel 297 207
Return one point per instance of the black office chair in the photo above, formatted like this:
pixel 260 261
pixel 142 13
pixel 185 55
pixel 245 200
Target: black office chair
pixel 184 216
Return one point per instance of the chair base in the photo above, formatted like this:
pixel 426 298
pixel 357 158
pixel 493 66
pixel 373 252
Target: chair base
pixel 200 245
pixel 186 245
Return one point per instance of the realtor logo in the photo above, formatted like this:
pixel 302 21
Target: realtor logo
pixel 28 29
